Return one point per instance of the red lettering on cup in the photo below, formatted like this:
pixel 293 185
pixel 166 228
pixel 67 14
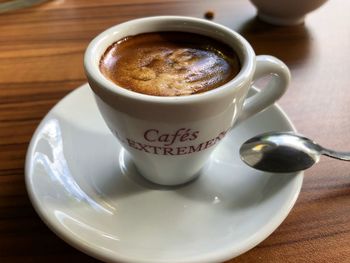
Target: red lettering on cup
pixel 143 147
pixel 181 150
pixel 150 134
pixel 167 151
pixel 209 143
pixel 174 136
pixel 194 135
pixel 194 149
pixel 166 140
pixel 132 143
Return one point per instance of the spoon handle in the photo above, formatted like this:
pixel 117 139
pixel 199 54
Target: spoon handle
pixel 345 156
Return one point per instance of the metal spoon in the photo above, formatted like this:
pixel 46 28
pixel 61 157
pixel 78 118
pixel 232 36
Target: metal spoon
pixel 284 152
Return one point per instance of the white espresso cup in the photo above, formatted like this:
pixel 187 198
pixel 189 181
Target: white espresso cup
pixel 171 138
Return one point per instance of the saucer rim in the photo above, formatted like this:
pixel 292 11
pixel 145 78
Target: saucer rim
pixel 214 256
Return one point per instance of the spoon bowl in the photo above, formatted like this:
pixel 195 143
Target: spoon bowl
pixel 284 152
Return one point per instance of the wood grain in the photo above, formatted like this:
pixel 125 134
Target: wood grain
pixel 41 51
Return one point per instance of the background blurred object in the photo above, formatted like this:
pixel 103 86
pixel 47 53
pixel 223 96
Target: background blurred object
pixel 287 12
pixel 9 5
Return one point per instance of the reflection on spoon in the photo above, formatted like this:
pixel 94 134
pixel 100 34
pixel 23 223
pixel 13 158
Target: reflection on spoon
pixel 284 152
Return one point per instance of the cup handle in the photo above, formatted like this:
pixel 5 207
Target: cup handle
pixel 280 78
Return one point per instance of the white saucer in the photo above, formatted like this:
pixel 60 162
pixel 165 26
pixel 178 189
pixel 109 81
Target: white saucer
pixel 86 189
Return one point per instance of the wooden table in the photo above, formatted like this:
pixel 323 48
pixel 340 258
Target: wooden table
pixel 41 52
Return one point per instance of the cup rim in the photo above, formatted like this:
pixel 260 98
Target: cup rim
pixel 93 73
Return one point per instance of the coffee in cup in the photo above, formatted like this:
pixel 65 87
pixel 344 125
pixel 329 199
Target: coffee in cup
pixel 169 63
